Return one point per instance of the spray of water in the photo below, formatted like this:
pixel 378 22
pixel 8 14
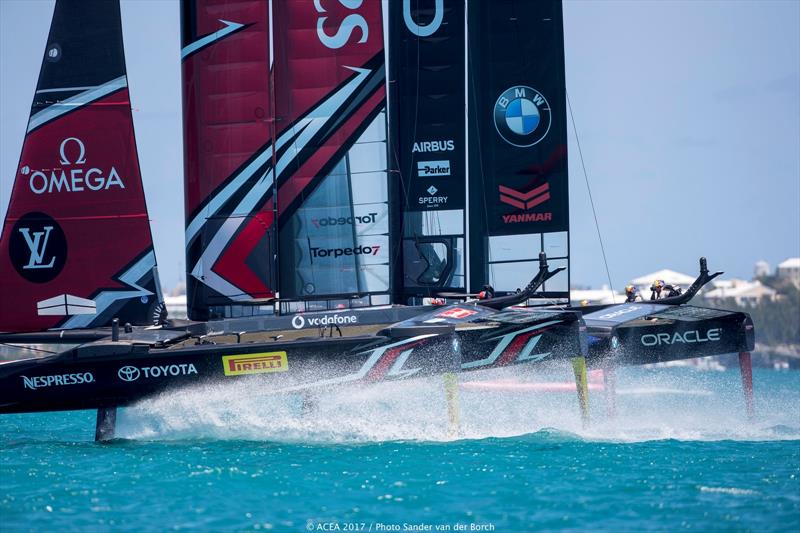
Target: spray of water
pixel 651 404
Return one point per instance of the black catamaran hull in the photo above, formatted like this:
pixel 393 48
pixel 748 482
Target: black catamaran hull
pixel 109 373
pixel 646 333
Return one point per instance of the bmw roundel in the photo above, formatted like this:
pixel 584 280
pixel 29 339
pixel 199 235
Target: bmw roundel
pixel 522 116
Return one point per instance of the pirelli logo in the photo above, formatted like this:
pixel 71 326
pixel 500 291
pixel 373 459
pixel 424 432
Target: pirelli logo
pixel 255 363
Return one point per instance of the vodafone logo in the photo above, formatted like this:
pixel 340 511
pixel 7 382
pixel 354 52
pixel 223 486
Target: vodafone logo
pixel 74 175
pixel 299 322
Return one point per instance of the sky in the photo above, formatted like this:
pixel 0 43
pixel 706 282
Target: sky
pixel 687 115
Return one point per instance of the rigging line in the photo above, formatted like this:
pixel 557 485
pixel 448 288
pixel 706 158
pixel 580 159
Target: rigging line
pixel 591 200
pixel 27 347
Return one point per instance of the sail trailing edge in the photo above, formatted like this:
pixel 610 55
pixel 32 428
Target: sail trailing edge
pixel 76 249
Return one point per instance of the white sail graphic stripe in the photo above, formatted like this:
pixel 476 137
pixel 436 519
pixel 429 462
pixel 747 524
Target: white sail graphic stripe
pixel 229 28
pixel 105 299
pixel 79 100
pixel 503 344
pixel 310 126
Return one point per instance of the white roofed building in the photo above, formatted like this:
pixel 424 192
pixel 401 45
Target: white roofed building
pixel 790 270
pixel 595 296
pixel 743 292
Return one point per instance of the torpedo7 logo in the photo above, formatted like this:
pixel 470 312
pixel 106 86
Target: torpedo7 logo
pixel 339 252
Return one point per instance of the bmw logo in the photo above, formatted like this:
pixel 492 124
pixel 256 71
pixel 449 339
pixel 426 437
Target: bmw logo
pixel 522 116
pixel 128 373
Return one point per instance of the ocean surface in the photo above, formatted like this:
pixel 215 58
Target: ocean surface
pixel 680 454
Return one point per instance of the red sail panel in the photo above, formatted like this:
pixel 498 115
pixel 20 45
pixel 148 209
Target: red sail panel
pixel 330 97
pixel 76 249
pixel 228 131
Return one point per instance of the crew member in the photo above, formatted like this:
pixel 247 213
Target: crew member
pixel 486 293
pixel 656 288
pixel 631 294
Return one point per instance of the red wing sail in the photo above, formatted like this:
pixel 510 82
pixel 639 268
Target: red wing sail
pixel 228 132
pixel 332 177
pixel 76 249
pixel 323 148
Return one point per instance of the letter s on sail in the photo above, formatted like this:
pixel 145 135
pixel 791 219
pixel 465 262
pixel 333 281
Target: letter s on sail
pixel 346 28
pixel 428 29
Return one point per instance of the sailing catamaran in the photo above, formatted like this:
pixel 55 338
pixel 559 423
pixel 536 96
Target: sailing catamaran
pixel 351 177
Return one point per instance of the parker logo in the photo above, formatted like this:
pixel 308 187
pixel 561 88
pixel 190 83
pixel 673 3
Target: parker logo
pixel 689 337
pixel 369 218
pixel 78 178
pixel 427 169
pixel 522 116
pixel 257 363
pixel 340 252
pixel 37 247
pixel 457 312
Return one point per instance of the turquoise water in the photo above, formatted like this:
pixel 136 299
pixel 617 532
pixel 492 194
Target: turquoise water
pixel 680 454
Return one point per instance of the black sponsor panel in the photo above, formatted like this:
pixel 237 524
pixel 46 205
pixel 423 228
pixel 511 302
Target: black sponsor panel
pixel 37 248
pixel 518 135
pixel 427 54
pixel 72 58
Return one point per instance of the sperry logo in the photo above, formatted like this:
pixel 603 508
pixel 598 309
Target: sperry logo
pixel 257 363
pixel 37 246
pixel 72 153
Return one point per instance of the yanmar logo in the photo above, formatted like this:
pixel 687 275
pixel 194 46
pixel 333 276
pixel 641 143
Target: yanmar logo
pixel 257 363
pixel 525 200
pixel 690 337
pixel 79 177
pixel 339 252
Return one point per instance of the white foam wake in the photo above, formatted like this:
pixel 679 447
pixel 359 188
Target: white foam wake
pixel 652 404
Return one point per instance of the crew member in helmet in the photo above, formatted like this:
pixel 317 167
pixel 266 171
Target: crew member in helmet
pixel 631 294
pixel 656 288
pixel 486 293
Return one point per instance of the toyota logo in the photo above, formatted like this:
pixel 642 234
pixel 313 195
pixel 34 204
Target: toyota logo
pixel 128 373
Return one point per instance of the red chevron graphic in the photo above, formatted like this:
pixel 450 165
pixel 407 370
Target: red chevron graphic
pixel 525 200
